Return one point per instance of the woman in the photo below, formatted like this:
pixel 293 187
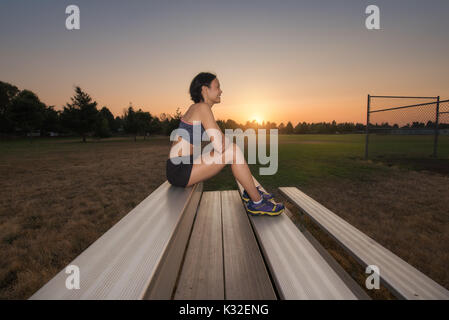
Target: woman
pixel 205 91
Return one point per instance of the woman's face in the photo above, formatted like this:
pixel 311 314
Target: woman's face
pixel 214 92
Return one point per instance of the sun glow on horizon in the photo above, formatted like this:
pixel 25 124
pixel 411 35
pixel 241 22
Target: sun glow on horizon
pixel 258 119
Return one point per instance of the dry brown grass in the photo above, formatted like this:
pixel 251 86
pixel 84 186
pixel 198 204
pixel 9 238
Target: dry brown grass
pixel 407 212
pixel 55 203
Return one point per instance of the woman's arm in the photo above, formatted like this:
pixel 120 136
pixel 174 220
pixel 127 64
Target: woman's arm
pixel 208 122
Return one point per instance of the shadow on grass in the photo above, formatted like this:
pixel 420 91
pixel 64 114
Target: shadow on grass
pixel 440 166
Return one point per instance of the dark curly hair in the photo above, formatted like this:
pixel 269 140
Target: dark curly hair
pixel 200 80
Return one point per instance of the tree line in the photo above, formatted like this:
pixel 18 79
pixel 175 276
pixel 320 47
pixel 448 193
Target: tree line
pixel 22 113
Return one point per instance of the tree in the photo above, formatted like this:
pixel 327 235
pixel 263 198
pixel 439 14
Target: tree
pixel 27 111
pixel 51 120
pixel 174 121
pixel 105 123
pixel 169 122
pixel 143 122
pixel 222 125
pixel 430 124
pixel 81 115
pixel 231 124
pixel 102 129
pixel 332 127
pixel 289 128
pixel 281 128
pixel 417 124
pixel 130 121
pixel 165 123
pixel 155 126
pixel 118 124
pixel 7 94
pixel 107 114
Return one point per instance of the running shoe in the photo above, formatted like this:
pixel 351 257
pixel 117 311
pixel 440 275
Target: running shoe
pixel 266 207
pixel 264 195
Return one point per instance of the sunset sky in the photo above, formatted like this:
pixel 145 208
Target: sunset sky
pixel 276 60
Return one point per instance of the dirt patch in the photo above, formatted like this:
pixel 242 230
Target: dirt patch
pixel 54 204
pixel 407 212
pixel 439 166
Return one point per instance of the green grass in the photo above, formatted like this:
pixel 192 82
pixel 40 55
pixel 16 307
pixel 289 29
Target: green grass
pixel 309 159
pixel 303 159
pixel 407 146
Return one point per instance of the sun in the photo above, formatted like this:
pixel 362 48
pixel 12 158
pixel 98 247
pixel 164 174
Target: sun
pixel 258 119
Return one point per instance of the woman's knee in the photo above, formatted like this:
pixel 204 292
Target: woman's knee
pixel 233 155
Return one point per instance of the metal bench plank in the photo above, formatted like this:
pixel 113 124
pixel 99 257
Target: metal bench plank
pixel 298 269
pixel 401 278
pixel 202 276
pixel 246 276
pixel 121 263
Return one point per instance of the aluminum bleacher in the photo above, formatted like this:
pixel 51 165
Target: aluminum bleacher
pixel 185 244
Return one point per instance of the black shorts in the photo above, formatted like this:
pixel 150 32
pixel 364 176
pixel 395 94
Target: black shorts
pixel 179 174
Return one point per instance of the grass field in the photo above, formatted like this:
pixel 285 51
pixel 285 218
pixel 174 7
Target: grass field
pixel 59 195
pixel 304 159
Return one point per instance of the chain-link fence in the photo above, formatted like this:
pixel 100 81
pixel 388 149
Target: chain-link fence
pixel 407 127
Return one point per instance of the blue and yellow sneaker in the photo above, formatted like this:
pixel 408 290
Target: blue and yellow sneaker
pixel 265 207
pixel 264 195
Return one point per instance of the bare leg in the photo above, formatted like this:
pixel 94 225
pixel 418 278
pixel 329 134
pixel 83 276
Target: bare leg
pixel 241 172
pixel 243 175
pixel 203 171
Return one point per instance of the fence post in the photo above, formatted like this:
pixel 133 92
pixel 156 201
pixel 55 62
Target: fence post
pixel 367 125
pixel 437 117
